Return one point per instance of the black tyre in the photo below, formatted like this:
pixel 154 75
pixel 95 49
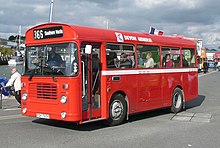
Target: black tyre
pixel 177 100
pixel 117 110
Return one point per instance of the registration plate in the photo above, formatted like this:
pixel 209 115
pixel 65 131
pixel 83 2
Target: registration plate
pixel 44 116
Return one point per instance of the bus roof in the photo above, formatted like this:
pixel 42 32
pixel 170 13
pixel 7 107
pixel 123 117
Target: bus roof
pixel 57 32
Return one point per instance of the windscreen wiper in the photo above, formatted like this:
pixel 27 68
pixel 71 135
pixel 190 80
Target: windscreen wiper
pixel 32 73
pixel 46 68
pixel 37 65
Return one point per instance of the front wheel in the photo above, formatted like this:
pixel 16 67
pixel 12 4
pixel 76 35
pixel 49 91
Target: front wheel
pixel 177 100
pixel 117 110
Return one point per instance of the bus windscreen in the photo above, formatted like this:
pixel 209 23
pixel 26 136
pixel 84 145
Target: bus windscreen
pixel 52 60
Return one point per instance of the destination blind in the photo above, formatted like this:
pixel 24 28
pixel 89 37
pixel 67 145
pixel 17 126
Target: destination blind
pixel 50 32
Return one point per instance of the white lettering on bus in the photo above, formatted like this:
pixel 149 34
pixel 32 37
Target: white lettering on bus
pixel 59 31
pixel 48 33
pixel 141 39
pixel 130 38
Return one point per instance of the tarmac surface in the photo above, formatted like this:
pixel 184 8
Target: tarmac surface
pixel 197 127
pixel 9 103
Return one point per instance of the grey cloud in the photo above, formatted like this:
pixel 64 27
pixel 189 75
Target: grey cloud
pixel 194 21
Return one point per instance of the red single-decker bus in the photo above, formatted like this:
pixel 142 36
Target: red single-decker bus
pixel 83 74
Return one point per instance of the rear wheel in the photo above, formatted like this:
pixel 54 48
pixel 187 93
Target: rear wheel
pixel 117 110
pixel 177 100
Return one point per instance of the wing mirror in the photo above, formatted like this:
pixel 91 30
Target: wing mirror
pixel 88 49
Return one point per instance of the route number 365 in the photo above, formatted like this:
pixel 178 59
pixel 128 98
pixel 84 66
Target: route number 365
pixel 38 34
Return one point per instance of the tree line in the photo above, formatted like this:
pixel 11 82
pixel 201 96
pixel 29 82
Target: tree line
pixel 5 51
pixel 15 38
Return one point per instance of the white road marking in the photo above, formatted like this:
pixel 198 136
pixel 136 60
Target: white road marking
pixel 9 109
pixel 11 117
pixel 207 73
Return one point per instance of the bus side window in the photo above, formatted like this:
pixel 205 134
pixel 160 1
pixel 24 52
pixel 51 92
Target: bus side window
pixel 125 61
pixel 120 55
pixel 168 61
pixel 127 56
pixel 171 57
pixel 188 59
pixel 176 57
pixel 148 56
pixel 111 58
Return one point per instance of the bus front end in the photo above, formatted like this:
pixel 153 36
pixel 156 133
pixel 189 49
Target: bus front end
pixel 51 82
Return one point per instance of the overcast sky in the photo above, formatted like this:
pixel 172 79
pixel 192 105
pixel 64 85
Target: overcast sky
pixel 191 18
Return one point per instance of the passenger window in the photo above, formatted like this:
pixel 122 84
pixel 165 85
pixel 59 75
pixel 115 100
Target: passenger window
pixel 176 57
pixel 188 58
pixel 171 57
pixel 120 56
pixel 148 56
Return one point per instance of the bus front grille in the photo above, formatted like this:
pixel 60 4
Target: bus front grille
pixel 43 91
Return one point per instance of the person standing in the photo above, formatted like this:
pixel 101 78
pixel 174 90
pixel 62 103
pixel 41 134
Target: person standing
pixel 215 64
pixel 205 66
pixel 15 81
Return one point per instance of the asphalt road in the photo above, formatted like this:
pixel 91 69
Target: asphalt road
pixel 148 130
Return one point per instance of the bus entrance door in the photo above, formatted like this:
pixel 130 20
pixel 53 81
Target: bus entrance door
pixel 91 101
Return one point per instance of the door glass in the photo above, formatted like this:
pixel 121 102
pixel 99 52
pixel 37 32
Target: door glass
pixel 90 77
pixel 84 69
pixel 96 76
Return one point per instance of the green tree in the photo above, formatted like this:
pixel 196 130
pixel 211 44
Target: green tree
pixel 12 38
pixel 5 51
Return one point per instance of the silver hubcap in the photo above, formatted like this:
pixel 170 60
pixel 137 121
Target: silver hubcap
pixel 177 100
pixel 117 109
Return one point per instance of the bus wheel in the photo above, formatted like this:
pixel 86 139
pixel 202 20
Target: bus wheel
pixel 117 110
pixel 177 100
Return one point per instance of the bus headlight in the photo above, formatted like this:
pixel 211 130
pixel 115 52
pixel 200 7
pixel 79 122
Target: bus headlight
pixel 63 115
pixel 24 110
pixel 24 96
pixel 63 99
